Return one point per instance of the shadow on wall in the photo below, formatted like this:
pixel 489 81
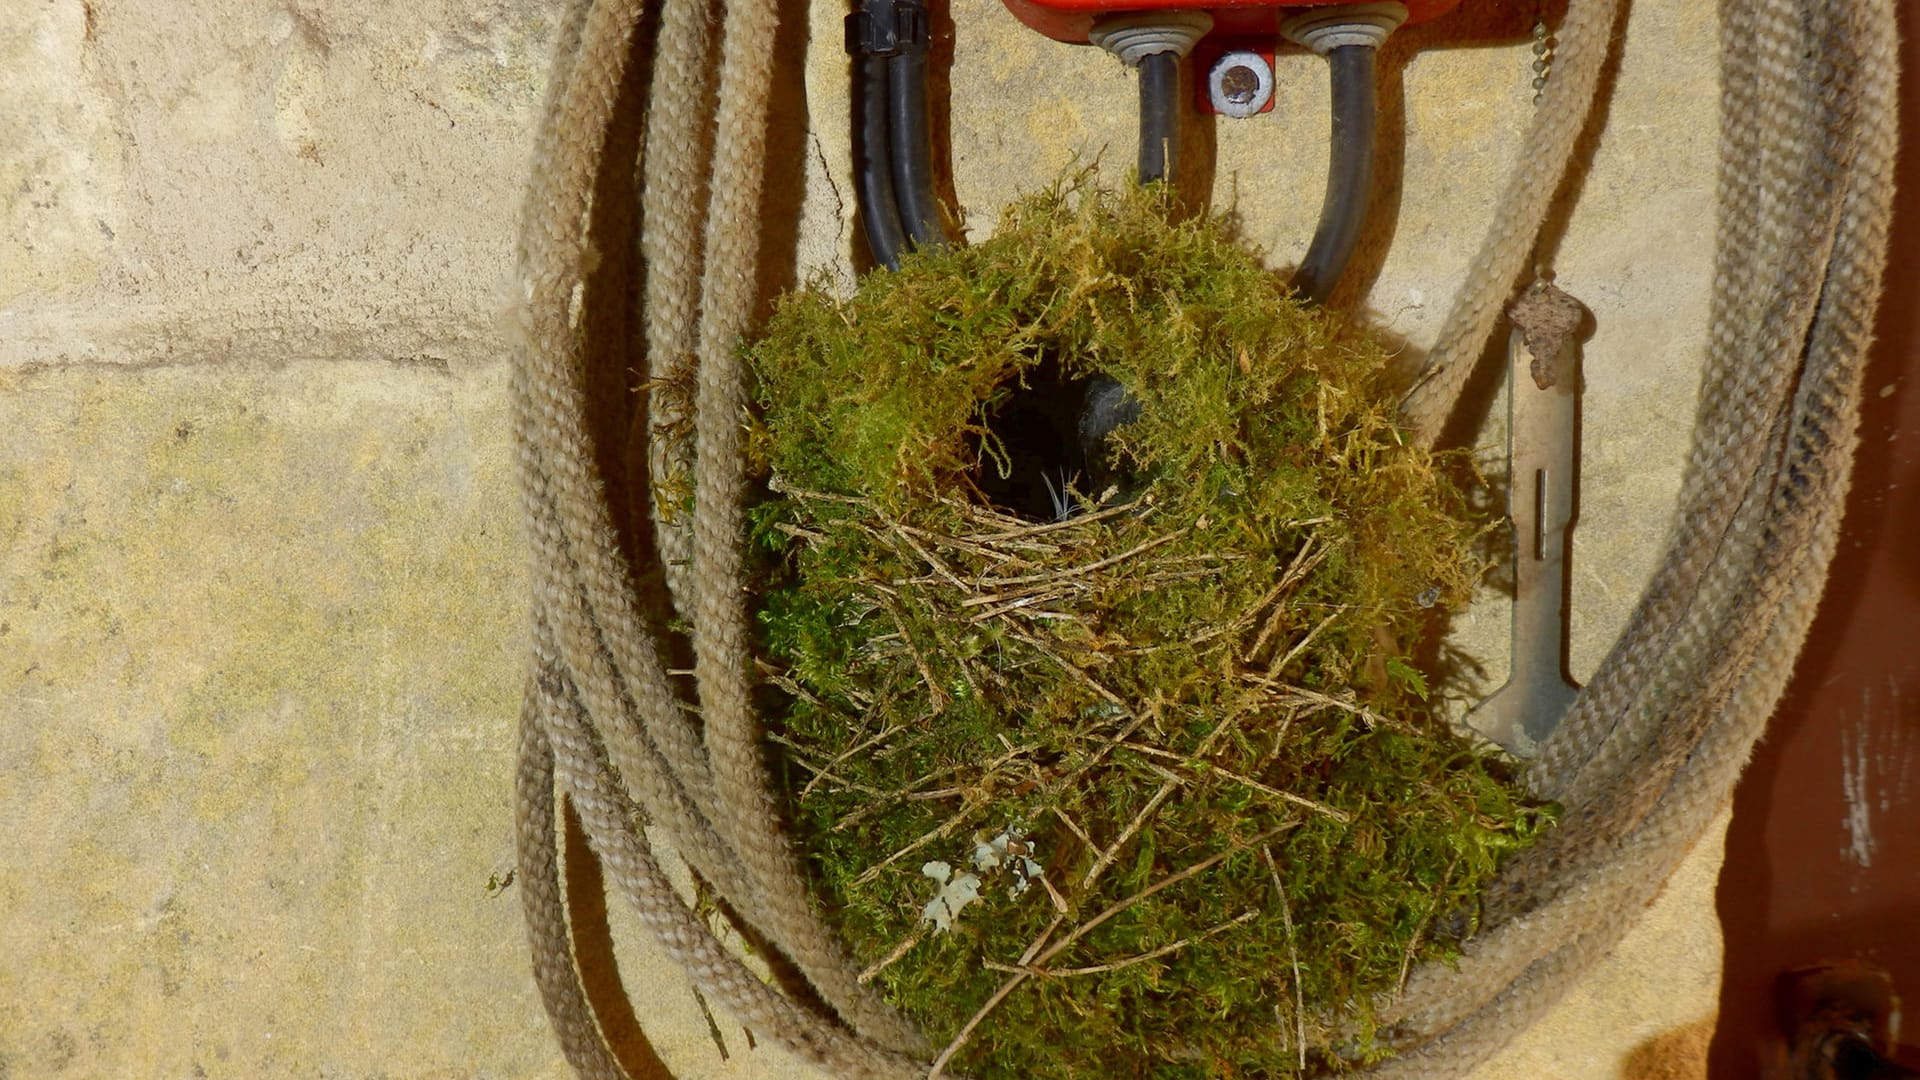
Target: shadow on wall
pixel 1471 26
pixel 1675 1054
pixel 593 951
pixel 1480 392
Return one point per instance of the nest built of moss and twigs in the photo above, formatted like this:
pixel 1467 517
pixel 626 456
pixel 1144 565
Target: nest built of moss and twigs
pixel 1102 738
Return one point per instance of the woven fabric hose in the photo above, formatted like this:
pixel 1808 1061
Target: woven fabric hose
pixel 614 728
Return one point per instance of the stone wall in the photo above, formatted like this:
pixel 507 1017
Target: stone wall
pixel 262 585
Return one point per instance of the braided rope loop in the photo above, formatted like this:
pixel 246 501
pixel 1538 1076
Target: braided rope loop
pixel 1645 759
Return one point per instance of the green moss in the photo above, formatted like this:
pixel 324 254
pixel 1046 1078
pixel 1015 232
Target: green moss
pixel 1191 694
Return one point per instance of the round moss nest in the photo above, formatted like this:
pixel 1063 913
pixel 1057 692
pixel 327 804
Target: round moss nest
pixel 1094 569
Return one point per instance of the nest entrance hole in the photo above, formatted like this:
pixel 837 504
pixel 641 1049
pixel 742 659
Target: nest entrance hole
pixel 1045 448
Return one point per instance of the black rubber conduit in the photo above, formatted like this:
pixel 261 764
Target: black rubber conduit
pixel 1106 406
pixel 908 123
pixel 1159 116
pixel 1349 173
pixel 872 162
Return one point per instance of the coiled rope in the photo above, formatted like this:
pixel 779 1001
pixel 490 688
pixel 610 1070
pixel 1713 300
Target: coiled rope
pixel 1647 757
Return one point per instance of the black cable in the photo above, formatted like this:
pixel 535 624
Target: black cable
pixel 873 173
pixel 1159 115
pixel 1349 173
pixel 912 143
pixel 1107 406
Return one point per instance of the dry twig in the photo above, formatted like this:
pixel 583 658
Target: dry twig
pixel 1141 958
pixel 1293 954
pixel 899 950
pixel 1203 768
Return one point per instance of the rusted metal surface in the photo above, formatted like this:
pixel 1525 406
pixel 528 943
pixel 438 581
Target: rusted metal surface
pixel 1841 1023
pixel 1823 856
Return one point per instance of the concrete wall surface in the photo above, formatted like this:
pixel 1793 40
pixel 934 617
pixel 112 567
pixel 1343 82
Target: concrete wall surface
pixel 261 575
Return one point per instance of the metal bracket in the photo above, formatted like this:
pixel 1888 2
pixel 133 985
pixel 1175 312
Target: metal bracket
pixel 1543 415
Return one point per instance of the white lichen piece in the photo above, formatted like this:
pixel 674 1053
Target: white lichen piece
pixel 1025 869
pixel 991 854
pixel 955 895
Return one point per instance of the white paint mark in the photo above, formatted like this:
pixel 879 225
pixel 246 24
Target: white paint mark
pixel 1853 785
pixel 1877 753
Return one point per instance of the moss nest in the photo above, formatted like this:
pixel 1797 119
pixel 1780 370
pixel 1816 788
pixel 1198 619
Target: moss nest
pixel 1094 568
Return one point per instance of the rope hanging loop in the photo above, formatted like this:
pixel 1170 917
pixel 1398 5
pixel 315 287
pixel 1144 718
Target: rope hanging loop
pixel 1646 757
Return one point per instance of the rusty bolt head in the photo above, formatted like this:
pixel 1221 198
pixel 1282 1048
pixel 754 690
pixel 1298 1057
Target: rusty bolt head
pixel 1240 84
